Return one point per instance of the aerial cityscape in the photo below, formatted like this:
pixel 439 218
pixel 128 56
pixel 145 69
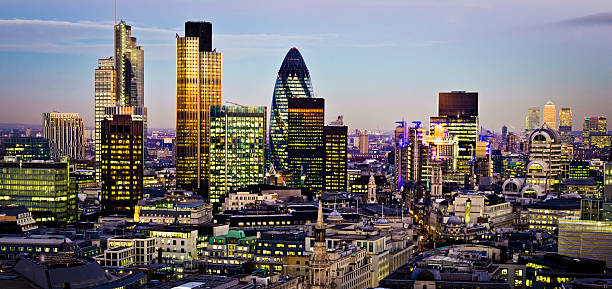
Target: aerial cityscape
pixel 329 171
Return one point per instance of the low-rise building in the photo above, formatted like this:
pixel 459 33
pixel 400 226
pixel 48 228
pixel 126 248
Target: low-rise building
pixel 241 200
pixel 176 243
pixel 231 250
pixel 273 247
pixel 544 216
pixel 172 210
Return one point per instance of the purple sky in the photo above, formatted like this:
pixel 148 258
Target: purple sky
pixel 374 61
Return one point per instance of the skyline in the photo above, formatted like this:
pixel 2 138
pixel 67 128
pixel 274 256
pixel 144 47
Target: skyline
pixel 354 66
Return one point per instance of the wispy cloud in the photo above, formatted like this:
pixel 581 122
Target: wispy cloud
pixel 589 20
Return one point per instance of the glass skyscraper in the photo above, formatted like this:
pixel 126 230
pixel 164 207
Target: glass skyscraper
pixel 305 143
pixel 237 146
pixel 198 87
pixel 292 81
pixel 565 125
pixel 532 121
pixel 336 141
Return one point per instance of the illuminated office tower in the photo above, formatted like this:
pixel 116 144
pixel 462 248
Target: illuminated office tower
pixel 595 133
pixel 292 81
pixel 544 167
pixel 364 142
pixel 305 147
pixel 565 125
pixel 237 145
pixel 27 148
pixel 458 114
pixel 532 121
pixel 65 134
pixel 402 163
pixel 440 154
pixel 550 114
pixel 43 187
pixel 336 142
pixel 129 65
pixel 198 87
pixel 105 96
pixel 121 164
pixel 504 134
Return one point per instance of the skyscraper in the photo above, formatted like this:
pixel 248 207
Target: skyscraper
pixel 565 125
pixel 336 142
pixel 364 142
pixel 121 164
pixel 595 132
pixel 458 114
pixel 237 145
pixel 532 121
pixel 65 134
pixel 305 147
pixel 292 81
pixel 129 65
pixel 119 84
pixel 198 87
pixel 550 114
pixel 105 95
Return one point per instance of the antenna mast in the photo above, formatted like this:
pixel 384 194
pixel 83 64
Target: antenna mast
pixel 115 12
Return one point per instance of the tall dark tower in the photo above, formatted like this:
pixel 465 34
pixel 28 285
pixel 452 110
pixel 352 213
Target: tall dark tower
pixel 458 113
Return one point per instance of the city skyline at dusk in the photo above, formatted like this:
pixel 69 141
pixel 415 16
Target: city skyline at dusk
pixel 378 53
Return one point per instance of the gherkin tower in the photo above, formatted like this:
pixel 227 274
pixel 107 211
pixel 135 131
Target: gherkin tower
pixel 293 80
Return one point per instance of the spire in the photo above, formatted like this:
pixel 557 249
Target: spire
pixel 320 224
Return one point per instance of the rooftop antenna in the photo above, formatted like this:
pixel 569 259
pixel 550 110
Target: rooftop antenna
pixel 115 12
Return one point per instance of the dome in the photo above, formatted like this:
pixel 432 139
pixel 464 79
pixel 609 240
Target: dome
pixel 513 185
pixel 545 134
pixel 382 222
pixel 454 220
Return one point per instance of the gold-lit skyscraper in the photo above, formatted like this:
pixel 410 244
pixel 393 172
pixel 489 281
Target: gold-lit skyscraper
pixel 198 87
pixel 565 125
pixel 550 114
pixel 105 96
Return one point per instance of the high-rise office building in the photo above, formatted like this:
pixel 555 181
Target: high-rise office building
pixel 43 187
pixel 532 121
pixel 402 161
pixel 336 145
pixel 27 148
pixel 458 114
pixel 305 147
pixel 129 65
pixel 595 133
pixel 105 96
pixel 65 134
pixel 292 81
pixel 119 84
pixel 198 87
pixel 237 145
pixel 504 134
pixel 364 142
pixel 565 125
pixel 121 164
pixel 550 114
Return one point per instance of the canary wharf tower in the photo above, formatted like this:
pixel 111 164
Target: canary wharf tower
pixel 293 80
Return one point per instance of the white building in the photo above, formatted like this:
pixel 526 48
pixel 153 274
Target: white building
pixel 176 243
pixel 239 200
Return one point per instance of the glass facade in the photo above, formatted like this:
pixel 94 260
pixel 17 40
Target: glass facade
pixel 532 121
pixel 105 96
pixel 335 139
pixel 237 145
pixel 42 187
pixel 305 143
pixel 121 165
pixel 198 87
pixel 292 81
pixel 129 64
pixel 27 148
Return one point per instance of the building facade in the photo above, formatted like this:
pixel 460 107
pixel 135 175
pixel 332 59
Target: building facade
pixel 305 148
pixel 237 147
pixel 549 115
pixel 121 164
pixel 65 134
pixel 27 148
pixel 565 125
pixel 532 121
pixel 42 187
pixel 335 140
pixel 198 87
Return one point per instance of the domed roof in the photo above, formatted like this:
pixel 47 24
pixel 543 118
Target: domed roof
pixel 382 222
pixel 293 65
pixel 334 216
pixel 545 133
pixel 454 220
